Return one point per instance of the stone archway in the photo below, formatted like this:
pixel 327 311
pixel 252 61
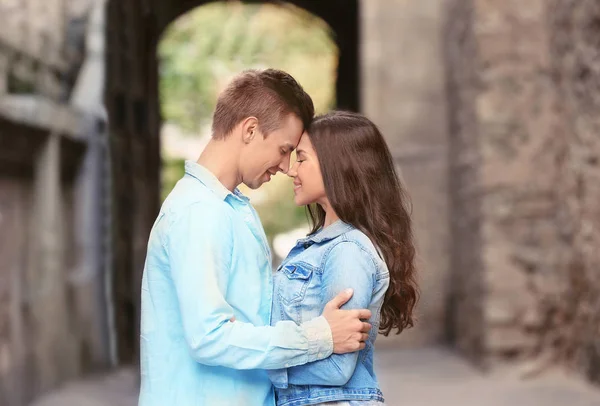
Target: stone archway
pixel 131 98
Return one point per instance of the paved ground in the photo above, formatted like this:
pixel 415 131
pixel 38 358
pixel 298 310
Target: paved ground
pixel 427 377
pixel 434 377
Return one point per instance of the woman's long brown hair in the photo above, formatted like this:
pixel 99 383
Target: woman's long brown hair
pixel 363 188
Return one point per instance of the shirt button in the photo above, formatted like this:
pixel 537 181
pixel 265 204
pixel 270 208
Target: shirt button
pixel 287 365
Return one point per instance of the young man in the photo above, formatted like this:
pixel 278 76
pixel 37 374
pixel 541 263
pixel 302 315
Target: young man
pixel 207 289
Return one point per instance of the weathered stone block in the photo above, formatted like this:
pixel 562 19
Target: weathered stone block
pixel 503 340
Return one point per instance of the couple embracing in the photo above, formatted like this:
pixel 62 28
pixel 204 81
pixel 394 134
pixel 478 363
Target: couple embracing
pixel 218 327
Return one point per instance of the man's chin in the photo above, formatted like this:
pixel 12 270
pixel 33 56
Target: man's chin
pixel 255 185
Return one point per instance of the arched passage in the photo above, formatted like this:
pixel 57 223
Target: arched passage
pixel 133 32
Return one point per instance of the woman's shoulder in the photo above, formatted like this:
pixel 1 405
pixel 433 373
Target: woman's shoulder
pixel 359 238
pixel 356 243
pixel 356 236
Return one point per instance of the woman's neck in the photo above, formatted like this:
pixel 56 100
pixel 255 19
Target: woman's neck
pixel 330 215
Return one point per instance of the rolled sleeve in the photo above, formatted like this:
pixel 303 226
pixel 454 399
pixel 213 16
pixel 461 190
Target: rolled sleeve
pixel 320 340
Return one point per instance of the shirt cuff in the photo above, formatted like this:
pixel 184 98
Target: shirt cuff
pixel 320 340
pixel 279 378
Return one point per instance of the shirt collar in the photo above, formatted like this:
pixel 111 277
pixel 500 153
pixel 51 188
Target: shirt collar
pixel 329 233
pixel 210 181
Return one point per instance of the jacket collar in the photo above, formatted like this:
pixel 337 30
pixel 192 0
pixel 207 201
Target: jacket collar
pixel 328 233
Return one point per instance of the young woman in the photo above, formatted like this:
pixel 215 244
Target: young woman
pixel 361 239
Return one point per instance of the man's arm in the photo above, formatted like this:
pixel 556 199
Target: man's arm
pixel 199 246
pixel 347 266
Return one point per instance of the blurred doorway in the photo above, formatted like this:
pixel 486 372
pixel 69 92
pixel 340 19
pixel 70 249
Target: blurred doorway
pixel 134 47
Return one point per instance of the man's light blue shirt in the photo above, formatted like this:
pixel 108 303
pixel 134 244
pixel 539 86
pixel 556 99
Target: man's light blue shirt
pixel 208 260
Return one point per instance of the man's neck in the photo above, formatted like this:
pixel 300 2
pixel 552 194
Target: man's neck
pixel 220 159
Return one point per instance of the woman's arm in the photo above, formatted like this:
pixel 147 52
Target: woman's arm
pixel 347 265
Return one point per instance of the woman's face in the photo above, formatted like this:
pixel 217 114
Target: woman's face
pixel 306 172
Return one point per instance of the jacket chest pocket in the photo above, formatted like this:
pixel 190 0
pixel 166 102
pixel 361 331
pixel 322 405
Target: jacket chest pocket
pixel 294 282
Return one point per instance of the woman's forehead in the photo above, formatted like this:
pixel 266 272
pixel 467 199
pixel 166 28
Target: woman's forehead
pixel 304 145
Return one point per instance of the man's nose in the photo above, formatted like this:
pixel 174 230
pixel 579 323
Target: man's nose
pixel 284 166
pixel 292 171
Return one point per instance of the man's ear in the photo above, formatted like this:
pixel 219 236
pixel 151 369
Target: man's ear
pixel 249 129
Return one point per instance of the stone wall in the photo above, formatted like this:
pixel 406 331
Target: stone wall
pixel 575 55
pixel 15 207
pixel 52 305
pixel 131 96
pixel 32 34
pixel 464 322
pixel 516 108
pixel 42 342
pixel 403 92
pixel 41 45
pixel 523 91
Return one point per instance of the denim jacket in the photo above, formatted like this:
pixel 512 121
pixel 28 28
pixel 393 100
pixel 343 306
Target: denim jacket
pixel 315 271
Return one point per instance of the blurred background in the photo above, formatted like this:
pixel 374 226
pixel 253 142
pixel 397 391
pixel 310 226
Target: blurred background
pixel 491 109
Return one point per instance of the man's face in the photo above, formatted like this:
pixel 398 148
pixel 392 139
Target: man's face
pixel 263 157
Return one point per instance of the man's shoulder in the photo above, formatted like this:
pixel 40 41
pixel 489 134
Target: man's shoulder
pixel 189 198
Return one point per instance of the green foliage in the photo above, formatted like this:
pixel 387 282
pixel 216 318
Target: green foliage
pixel 202 50
pixel 173 169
